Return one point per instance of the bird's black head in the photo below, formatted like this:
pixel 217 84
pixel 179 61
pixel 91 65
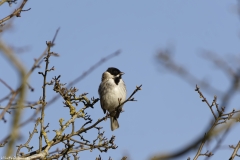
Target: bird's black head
pixel 114 71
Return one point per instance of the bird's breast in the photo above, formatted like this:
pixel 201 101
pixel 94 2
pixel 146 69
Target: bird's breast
pixel 110 94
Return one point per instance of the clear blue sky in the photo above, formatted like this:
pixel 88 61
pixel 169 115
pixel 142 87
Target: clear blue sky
pixel 169 113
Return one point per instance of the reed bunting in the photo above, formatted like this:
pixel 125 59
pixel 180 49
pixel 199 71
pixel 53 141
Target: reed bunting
pixel 112 92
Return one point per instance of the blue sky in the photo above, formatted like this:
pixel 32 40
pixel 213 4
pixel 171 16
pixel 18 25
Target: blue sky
pixel 169 113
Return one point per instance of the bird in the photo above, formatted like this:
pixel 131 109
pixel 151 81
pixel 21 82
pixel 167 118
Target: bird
pixel 112 92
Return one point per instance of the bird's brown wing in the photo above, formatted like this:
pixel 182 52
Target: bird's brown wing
pixel 104 110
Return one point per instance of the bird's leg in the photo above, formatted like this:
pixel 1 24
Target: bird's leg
pixel 119 103
pixel 107 116
pixel 119 108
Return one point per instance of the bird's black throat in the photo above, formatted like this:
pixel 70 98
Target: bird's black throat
pixel 117 79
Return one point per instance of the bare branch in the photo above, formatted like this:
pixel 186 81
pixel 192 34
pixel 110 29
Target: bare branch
pixel 16 13
pixel 235 151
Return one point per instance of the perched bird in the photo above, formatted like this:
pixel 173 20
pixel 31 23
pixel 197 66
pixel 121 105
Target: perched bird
pixel 112 92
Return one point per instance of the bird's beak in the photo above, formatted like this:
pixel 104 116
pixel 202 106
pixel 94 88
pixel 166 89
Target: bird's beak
pixel 121 73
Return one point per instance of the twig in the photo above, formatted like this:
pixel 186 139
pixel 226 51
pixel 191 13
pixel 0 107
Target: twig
pixel 235 151
pixel 200 148
pixel 130 98
pixel 205 100
pixel 29 139
pixel 8 105
pixel 10 88
pixel 43 100
pixel 16 13
pixel 39 60
pixel 220 141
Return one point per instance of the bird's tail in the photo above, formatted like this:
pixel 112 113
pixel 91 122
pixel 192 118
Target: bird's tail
pixel 114 123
